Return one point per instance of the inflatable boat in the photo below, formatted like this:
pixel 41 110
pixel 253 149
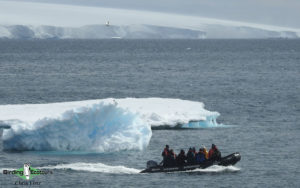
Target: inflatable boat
pixel 229 160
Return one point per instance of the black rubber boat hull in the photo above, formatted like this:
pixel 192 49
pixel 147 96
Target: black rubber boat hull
pixel 229 160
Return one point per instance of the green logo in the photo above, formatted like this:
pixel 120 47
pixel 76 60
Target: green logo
pixel 26 172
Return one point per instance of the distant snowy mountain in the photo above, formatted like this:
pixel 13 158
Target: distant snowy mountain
pixel 44 20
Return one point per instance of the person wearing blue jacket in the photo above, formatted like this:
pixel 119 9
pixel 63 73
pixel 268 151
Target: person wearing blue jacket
pixel 190 157
pixel 200 157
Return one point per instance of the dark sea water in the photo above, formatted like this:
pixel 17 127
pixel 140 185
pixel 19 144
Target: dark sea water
pixel 253 84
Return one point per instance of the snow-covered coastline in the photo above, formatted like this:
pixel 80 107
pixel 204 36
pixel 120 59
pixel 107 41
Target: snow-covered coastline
pixel 98 32
pixel 33 20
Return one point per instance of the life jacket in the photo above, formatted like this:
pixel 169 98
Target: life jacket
pixel 214 153
pixel 211 152
pixel 165 152
pixel 205 153
pixel 202 156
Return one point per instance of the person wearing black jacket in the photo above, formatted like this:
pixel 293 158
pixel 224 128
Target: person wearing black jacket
pixel 190 157
pixel 181 158
pixel 172 158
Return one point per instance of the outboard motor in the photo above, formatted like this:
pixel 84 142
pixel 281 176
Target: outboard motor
pixel 151 164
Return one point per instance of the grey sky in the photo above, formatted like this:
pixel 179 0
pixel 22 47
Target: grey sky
pixel 271 12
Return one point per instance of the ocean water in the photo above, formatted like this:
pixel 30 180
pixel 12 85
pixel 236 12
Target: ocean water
pixel 253 84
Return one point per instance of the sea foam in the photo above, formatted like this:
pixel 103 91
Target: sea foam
pixel 94 167
pixel 103 168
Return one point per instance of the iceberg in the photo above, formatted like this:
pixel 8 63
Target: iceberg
pixel 102 125
pixel 96 128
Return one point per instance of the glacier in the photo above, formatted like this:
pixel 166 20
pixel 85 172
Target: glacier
pixel 36 20
pixel 103 125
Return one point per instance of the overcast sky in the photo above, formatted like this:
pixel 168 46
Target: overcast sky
pixel 271 12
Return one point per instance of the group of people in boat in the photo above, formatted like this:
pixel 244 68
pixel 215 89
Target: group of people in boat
pixel 191 158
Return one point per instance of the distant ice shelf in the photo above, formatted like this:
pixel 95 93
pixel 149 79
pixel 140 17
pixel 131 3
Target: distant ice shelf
pixel 137 32
pixel 98 32
pixel 36 20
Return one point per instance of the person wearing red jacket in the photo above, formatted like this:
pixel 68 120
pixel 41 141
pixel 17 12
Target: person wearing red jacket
pixel 214 154
pixel 165 154
pixel 166 151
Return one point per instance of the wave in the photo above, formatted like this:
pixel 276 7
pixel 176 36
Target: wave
pixel 218 169
pixel 102 168
pixel 98 125
pixel 94 167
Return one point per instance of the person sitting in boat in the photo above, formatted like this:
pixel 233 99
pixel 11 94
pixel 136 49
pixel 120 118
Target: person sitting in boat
pixel 190 157
pixel 181 158
pixel 214 154
pixel 164 154
pixel 194 150
pixel 172 158
pixel 200 156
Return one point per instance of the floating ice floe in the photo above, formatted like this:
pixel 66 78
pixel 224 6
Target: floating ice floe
pixel 97 125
